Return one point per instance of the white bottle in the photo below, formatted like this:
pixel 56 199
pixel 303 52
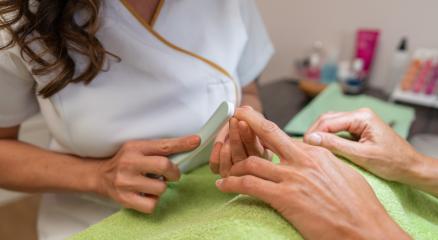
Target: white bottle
pixel 400 61
pixel 344 72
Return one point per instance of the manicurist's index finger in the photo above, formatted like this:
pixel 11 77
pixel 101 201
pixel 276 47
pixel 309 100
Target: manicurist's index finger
pixel 271 135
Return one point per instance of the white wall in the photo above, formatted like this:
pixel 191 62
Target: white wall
pixel 295 24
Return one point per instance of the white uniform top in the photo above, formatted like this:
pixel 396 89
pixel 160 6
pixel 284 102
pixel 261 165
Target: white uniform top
pixel 171 78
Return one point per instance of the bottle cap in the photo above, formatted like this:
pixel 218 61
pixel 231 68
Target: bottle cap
pixel 314 60
pixel 344 70
pixel 403 45
pixel 358 65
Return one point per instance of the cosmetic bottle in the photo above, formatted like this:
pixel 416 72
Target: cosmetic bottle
pixel 366 46
pixel 424 74
pixel 314 70
pixel 400 62
pixel 431 85
pixel 412 71
pixel 316 56
pixel 329 69
pixel 354 83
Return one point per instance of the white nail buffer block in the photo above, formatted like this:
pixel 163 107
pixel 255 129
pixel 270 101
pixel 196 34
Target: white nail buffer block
pixel 190 160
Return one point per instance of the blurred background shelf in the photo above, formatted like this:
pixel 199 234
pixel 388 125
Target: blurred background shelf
pixel 414 98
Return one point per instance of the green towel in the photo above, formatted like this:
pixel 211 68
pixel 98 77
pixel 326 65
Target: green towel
pixel 332 100
pixel 194 209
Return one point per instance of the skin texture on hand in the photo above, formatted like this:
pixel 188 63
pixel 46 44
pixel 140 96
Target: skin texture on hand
pixel 123 178
pixel 317 193
pixel 378 148
pixel 235 143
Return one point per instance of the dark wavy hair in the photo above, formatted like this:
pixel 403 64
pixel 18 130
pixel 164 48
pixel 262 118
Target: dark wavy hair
pixel 52 23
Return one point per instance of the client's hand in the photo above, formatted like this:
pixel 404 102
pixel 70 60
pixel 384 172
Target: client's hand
pixel 123 178
pixel 317 193
pixel 236 142
pixel 378 149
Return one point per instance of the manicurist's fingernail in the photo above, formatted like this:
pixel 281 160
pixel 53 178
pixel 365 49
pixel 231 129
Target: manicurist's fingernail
pixel 194 141
pixel 219 182
pixel 314 139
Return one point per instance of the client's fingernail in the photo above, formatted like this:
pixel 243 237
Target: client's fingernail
pixel 219 182
pixel 314 139
pixel 247 107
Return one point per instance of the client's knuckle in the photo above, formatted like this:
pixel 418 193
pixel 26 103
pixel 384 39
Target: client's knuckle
pixel 321 117
pixel 253 159
pixel 324 117
pixel 250 164
pixel 269 126
pixel 234 139
pixel 314 153
pixel 365 110
pixel 321 151
pixel 323 124
pixel 247 182
pixel 366 113
pixel 332 143
pixel 245 109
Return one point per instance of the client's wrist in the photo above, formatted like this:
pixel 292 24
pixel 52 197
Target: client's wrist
pixel 371 223
pixel 389 229
pixel 424 173
pixel 380 226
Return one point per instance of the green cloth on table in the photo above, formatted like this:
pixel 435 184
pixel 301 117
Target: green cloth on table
pixel 332 100
pixel 194 209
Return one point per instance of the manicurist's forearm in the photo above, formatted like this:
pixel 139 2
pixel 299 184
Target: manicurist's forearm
pixel 251 97
pixel 24 167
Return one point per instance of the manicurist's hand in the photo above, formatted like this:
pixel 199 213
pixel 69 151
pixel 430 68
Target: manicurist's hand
pixel 378 149
pixel 123 178
pixel 321 196
pixel 235 143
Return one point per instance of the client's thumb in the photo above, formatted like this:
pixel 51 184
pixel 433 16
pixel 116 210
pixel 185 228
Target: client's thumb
pixel 334 143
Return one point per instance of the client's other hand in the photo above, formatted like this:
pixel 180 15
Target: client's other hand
pixel 378 149
pixel 316 192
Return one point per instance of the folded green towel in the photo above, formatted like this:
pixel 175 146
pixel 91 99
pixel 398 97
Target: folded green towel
pixel 332 100
pixel 194 209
